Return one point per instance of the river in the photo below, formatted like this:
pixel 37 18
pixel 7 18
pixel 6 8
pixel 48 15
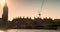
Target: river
pixel 29 30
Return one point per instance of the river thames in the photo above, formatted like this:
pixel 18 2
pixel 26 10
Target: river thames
pixel 28 30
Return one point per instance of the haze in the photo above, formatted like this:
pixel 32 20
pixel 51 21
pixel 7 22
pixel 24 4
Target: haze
pixel 30 8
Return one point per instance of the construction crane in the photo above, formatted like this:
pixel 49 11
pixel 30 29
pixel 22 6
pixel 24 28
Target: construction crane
pixel 41 9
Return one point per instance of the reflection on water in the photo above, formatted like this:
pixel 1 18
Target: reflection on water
pixel 28 30
pixel 1 31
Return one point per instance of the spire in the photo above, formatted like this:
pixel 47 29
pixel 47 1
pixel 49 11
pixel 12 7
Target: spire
pixel 5 3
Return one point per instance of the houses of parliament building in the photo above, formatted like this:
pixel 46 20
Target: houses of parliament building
pixel 27 23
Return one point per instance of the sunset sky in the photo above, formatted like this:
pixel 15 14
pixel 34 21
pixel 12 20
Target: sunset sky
pixel 30 8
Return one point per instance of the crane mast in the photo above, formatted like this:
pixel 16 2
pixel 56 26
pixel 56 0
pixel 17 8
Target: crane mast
pixel 41 9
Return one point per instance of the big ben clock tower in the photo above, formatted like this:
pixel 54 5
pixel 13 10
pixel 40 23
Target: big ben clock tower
pixel 5 13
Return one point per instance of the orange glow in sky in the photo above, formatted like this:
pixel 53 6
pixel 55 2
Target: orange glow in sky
pixel 2 1
pixel 30 8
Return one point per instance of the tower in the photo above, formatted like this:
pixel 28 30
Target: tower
pixel 5 13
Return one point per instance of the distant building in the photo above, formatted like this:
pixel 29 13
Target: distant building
pixel 5 13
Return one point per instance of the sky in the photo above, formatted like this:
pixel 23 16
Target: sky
pixel 30 8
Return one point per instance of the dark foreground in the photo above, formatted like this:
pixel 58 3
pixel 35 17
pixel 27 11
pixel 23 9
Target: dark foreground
pixel 28 23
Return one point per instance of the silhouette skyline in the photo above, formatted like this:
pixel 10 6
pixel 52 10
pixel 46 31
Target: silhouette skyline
pixel 30 8
pixel 27 23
